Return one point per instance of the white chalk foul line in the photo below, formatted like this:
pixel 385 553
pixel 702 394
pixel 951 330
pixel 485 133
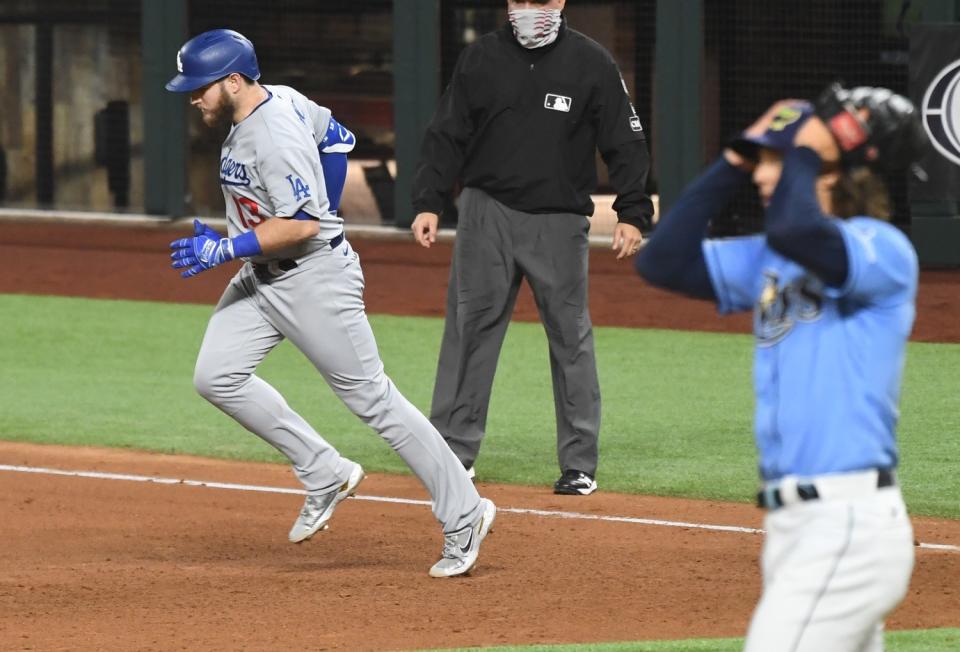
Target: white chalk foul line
pixel 99 475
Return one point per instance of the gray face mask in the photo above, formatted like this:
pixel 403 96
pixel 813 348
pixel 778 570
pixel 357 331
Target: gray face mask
pixel 534 28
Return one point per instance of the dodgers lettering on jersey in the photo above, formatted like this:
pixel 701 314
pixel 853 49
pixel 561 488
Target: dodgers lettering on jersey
pixel 233 173
pixel 828 361
pixel 270 166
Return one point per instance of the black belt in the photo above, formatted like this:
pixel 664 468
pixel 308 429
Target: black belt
pixel 286 264
pixel 335 242
pixel 773 500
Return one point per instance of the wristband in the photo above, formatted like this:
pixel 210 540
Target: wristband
pixel 245 245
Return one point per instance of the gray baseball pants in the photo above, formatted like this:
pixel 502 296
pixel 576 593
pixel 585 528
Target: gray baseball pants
pixel 319 307
pixel 496 248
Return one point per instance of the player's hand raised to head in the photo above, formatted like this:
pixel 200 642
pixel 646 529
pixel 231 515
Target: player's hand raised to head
pixel 757 129
pixel 424 228
pixel 817 136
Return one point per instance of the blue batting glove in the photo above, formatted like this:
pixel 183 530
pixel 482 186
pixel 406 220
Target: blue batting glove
pixel 205 250
pixel 207 231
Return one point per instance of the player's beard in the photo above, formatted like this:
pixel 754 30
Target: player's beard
pixel 220 115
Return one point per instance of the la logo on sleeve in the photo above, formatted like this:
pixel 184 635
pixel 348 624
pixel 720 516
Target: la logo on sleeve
pixel 298 187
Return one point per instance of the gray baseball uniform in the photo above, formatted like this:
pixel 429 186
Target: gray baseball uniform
pixel 270 167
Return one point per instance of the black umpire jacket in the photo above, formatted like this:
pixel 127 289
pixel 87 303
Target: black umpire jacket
pixel 523 125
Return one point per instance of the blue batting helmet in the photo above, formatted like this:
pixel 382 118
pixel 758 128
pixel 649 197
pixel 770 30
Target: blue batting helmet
pixel 211 56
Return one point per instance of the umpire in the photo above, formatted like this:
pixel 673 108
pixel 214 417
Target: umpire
pixel 518 127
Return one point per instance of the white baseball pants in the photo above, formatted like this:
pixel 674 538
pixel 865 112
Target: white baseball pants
pixel 319 307
pixel 833 568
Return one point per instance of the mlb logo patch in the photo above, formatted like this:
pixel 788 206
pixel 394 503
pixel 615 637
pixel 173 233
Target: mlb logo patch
pixel 635 123
pixel 557 102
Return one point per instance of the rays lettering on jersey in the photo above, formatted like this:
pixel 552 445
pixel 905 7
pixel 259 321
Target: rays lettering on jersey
pixel 233 173
pixel 778 309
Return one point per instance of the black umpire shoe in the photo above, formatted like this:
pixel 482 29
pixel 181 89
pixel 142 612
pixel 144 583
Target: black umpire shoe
pixel 575 483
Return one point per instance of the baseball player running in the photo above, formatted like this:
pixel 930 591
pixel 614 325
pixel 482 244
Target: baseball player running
pixel 832 287
pixel 282 162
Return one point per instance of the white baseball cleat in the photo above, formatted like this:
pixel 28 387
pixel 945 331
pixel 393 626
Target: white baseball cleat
pixel 317 510
pixel 462 548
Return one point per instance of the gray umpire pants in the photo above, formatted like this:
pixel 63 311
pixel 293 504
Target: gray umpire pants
pixel 496 248
pixel 319 307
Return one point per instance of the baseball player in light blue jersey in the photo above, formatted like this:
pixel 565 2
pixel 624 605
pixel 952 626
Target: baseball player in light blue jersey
pixel 282 170
pixel 833 302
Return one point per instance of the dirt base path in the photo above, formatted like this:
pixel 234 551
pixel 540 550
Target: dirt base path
pixel 98 564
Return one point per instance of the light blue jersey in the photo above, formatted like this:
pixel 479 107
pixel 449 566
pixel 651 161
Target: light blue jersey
pixel 828 361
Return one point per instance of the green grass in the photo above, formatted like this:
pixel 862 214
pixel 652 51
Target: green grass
pixel 677 406
pixel 930 640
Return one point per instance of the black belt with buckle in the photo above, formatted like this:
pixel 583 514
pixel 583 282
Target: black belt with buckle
pixel 772 499
pixel 286 264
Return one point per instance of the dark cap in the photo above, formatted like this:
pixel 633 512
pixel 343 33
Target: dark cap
pixel 779 135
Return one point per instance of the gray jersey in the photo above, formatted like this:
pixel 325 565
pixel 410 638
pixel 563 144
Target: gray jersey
pixel 270 167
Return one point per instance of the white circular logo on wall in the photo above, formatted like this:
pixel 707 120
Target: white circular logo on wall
pixel 941 112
